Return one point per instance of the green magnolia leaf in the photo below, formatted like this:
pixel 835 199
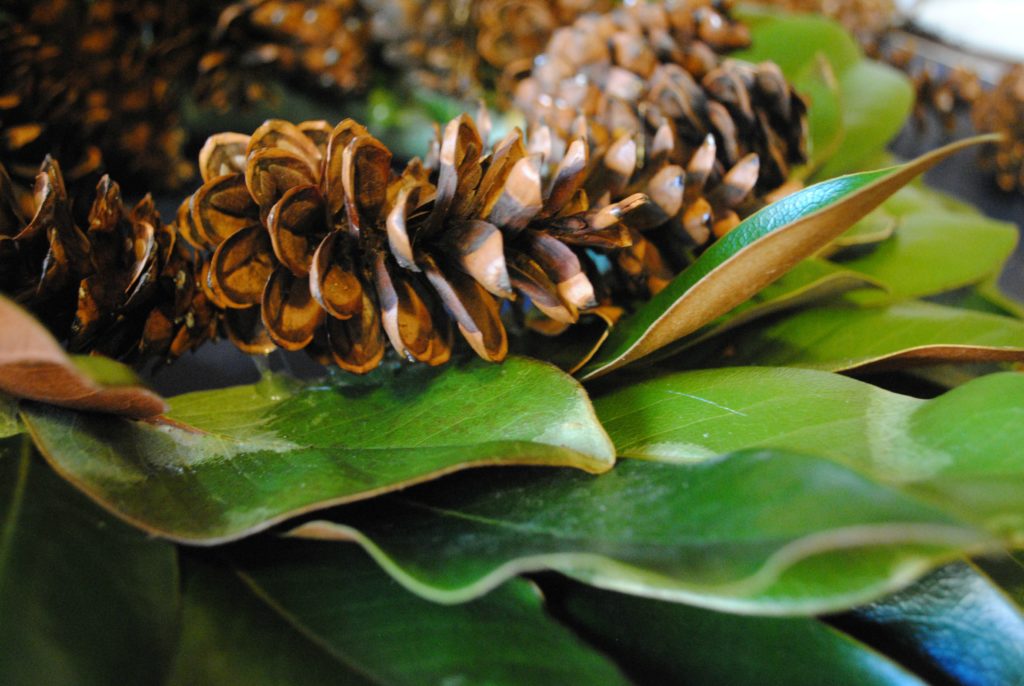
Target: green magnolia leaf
pixel 845 337
pixel 795 41
pixel 820 88
pixel 34 366
pixel 751 256
pixel 227 463
pixel 872 229
pixel 344 603
pixel 877 99
pixel 83 598
pixel 958 451
pixel 953 626
pixel 230 637
pixel 932 252
pixel 9 423
pixel 764 532
pixel 669 643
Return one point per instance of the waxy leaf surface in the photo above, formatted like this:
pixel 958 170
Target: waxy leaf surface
pixel 668 643
pixel 751 256
pixel 844 337
pixel 771 491
pixel 355 612
pixel 84 599
pixel 230 462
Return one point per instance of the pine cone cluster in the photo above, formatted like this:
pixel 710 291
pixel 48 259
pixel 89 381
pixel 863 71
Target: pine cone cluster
pixel 123 286
pixel 707 139
pixel 1001 110
pixel 94 82
pixel 314 43
pixel 314 242
pixel 457 46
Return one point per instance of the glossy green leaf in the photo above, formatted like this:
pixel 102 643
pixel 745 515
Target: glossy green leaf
pixel 953 626
pixel 751 256
pixel 764 532
pixel 669 643
pixel 813 281
pixel 230 637
pixel 871 230
pixel 877 100
pixel 231 462
pixel 84 599
pixel 347 606
pixel 957 451
pixel 845 337
pixel 794 42
pixel 820 88
pixel 932 252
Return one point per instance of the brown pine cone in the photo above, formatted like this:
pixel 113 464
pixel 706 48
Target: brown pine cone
pixel 1001 110
pixel 97 84
pixel 707 139
pixel 314 242
pixel 124 286
pixel 458 46
pixel 313 43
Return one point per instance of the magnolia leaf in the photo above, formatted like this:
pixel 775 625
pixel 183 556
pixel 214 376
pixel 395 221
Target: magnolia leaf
pixel 230 637
pixel 670 643
pixel 9 423
pixel 794 42
pixel 34 366
pixel 346 606
pixel 877 100
pixel 920 258
pixel 820 88
pixel 758 532
pixel 813 281
pixel 953 626
pixel 844 337
pixel 224 464
pixel 872 229
pixel 84 599
pixel 751 256
pixel 957 451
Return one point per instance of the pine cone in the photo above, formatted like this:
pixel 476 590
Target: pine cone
pixel 123 287
pixel 459 47
pixel 707 139
pixel 313 43
pixel 96 84
pixel 1001 110
pixel 311 235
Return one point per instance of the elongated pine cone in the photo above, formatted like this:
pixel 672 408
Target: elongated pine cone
pixel 96 84
pixel 312 43
pixel 123 286
pixel 708 139
pixel 314 242
pixel 1001 110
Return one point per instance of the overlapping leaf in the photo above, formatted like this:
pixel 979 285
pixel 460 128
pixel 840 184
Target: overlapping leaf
pixel 227 463
pixel 83 599
pixel 34 366
pixel 843 337
pixel 750 257
pixel 898 485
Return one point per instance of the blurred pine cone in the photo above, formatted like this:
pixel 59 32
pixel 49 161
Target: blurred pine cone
pixel 97 83
pixel 316 243
pixel 708 139
pixel 459 46
pixel 311 43
pixel 1001 110
pixel 123 287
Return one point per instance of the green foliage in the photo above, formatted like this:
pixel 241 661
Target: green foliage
pixel 228 463
pixel 758 488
